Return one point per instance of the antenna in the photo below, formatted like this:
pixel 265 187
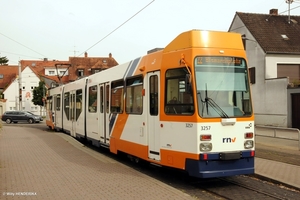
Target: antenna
pixel 289 2
pixel 74 51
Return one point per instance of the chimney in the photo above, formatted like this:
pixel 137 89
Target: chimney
pixel 85 54
pixel 274 11
pixel 110 55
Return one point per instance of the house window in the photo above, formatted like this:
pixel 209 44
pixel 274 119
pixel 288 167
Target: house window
pixel 289 70
pixel 96 71
pixel 252 75
pixel 51 72
pixel 80 72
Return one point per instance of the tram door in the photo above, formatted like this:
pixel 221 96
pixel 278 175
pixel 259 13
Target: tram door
pixel 55 111
pixel 153 115
pixel 104 113
pixel 72 110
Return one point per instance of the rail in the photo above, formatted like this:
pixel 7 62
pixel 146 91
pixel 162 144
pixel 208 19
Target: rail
pixel 279 132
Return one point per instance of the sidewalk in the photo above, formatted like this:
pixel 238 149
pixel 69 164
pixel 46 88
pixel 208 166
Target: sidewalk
pixel 287 143
pixel 38 164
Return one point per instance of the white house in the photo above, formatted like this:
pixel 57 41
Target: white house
pixel 29 80
pixel 272 43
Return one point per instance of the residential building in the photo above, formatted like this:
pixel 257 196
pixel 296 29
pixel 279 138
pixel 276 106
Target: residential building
pixel 52 72
pixel 8 73
pixel 272 44
pixel 84 66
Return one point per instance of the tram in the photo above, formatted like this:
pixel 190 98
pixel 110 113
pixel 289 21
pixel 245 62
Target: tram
pixel 187 106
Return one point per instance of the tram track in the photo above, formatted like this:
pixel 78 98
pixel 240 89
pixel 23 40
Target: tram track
pixel 247 187
pixel 234 187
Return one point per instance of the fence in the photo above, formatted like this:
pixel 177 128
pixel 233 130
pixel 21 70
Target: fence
pixel 278 132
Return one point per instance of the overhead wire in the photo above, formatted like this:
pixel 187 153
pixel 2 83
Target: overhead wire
pixel 93 44
pixel 23 45
pixel 117 27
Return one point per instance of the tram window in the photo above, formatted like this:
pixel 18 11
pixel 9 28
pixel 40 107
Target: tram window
pixel 58 102
pixel 78 103
pixel 101 99
pixel 67 104
pixel 92 99
pixel 107 98
pixel 49 103
pixel 117 91
pixel 178 101
pixel 134 97
pixel 153 95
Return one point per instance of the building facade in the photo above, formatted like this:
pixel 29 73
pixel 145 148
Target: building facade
pixel 272 44
pixel 17 88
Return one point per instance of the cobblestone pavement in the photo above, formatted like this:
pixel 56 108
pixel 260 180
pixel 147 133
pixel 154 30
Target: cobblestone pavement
pixel 37 164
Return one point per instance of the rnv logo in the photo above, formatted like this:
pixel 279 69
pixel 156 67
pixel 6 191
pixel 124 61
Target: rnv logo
pixel 229 140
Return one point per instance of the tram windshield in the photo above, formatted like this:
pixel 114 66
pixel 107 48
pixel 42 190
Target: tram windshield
pixel 222 87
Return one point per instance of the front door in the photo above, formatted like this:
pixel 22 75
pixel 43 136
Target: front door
pixel 153 116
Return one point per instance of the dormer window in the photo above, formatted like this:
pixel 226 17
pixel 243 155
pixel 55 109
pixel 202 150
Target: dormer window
pixel 80 73
pixel 285 37
pixel 104 61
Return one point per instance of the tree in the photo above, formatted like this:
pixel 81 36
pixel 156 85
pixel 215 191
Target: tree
pixel 3 60
pixel 39 94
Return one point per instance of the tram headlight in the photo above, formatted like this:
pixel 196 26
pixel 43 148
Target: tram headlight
pixel 205 147
pixel 248 144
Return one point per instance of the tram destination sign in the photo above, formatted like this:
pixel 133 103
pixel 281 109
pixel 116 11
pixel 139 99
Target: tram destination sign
pixel 219 60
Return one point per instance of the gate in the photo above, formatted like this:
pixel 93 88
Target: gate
pixel 296 110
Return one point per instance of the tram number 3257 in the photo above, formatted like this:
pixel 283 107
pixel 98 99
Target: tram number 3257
pixel 205 128
pixel 188 125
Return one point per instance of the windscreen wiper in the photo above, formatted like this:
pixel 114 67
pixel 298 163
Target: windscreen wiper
pixel 216 107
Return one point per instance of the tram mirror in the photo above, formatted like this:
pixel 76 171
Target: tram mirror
pixel 188 84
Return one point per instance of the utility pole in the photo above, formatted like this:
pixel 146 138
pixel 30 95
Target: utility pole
pixel 20 86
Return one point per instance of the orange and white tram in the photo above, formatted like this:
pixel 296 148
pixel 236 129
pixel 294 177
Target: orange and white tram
pixel 187 106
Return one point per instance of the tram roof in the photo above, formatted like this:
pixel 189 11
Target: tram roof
pixel 205 39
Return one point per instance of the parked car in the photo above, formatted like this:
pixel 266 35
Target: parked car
pixel 41 118
pixel 20 116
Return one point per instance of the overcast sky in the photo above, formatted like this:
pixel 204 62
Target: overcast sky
pixel 59 29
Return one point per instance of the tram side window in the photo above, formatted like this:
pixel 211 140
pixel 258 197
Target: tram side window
pixel 92 99
pixel 58 102
pixel 78 103
pixel 117 91
pixel 153 89
pixel 67 104
pixel 178 101
pixel 49 103
pixel 134 97
pixel 101 99
pixel 107 98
